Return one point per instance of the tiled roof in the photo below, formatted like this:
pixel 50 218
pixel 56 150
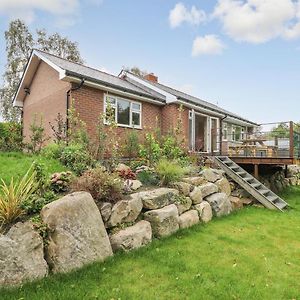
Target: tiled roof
pixel 92 74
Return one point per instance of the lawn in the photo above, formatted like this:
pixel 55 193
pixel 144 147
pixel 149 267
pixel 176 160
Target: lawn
pixel 16 164
pixel 251 254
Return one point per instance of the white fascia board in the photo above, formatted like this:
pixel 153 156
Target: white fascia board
pixel 112 90
pixel 61 71
pixel 201 109
pixel 235 121
pixel 169 97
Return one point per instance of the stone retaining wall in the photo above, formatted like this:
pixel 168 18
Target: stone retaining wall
pixel 80 234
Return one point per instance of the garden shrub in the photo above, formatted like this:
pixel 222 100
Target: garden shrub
pixel 171 149
pixel 37 136
pixel 150 150
pixel 127 174
pixel 60 182
pixel 11 136
pixel 52 150
pixel 169 171
pixel 131 142
pixel 102 185
pixel 35 202
pixel 147 177
pixel 76 158
pixel 12 197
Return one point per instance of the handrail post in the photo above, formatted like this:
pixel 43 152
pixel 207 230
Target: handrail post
pixel 291 139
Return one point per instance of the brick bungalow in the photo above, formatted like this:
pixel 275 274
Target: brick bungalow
pixel 50 82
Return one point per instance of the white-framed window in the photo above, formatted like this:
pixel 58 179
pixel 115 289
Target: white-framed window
pixel 225 131
pixel 124 112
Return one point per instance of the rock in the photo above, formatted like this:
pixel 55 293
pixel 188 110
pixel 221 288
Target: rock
pixel 204 211
pixel 126 211
pixel 197 180
pixel 223 186
pixel 21 255
pixel 212 175
pixel 77 235
pixel 241 193
pixel 293 170
pixel 196 195
pixel 183 187
pixel 236 202
pixel 164 221
pixel 188 219
pixel 184 204
pixel 158 198
pixel 208 189
pixel 135 184
pixel 247 201
pixel 105 210
pixel 122 167
pixel 132 237
pixel 220 204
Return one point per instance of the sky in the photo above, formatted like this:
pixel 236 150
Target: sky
pixel 243 55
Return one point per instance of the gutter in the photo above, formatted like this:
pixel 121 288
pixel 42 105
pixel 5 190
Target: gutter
pixel 67 100
pixel 217 113
pixel 111 87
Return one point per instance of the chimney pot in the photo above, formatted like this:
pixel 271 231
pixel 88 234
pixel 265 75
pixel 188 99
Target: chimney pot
pixel 151 77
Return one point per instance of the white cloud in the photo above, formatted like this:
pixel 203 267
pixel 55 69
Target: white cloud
pixel 207 45
pixel 180 14
pixel 258 21
pixel 65 11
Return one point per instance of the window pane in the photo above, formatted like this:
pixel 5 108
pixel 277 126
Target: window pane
pixel 136 106
pixel 136 119
pixel 123 112
pixel 111 101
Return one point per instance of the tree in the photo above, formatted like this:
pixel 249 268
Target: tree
pixel 19 43
pixel 137 71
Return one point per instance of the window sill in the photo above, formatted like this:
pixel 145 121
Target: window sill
pixel 127 126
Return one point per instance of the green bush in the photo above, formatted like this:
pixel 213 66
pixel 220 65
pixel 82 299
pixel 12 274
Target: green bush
pixel 102 185
pixel 76 158
pixel 150 150
pixel 52 150
pixel 148 178
pixel 169 171
pixel 11 136
pixel 60 182
pixel 171 149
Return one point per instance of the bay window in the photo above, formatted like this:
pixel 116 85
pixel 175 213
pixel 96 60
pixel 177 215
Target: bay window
pixel 124 112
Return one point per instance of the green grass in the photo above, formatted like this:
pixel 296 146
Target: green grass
pixel 16 164
pixel 251 254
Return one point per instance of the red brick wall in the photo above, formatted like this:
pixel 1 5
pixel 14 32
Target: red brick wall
pixel 89 104
pixel 170 116
pixel 47 98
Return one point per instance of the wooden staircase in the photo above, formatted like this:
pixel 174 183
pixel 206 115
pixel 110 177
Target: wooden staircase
pixel 255 188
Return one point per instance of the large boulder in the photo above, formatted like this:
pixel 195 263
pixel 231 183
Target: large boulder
pixel 21 255
pixel 183 204
pixel 188 219
pixel 158 198
pixel 126 211
pixel 183 187
pixel 164 221
pixel 220 204
pixel 205 211
pixel 196 180
pixel 208 189
pixel 223 186
pixel 135 184
pixel 132 237
pixel 196 195
pixel 212 175
pixel 77 235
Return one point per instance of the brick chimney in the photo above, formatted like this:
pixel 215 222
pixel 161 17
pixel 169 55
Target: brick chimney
pixel 151 77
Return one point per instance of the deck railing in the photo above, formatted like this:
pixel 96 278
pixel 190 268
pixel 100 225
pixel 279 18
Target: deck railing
pixel 282 140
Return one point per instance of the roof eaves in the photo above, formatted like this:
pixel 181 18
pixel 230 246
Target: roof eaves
pixel 219 111
pixel 74 74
